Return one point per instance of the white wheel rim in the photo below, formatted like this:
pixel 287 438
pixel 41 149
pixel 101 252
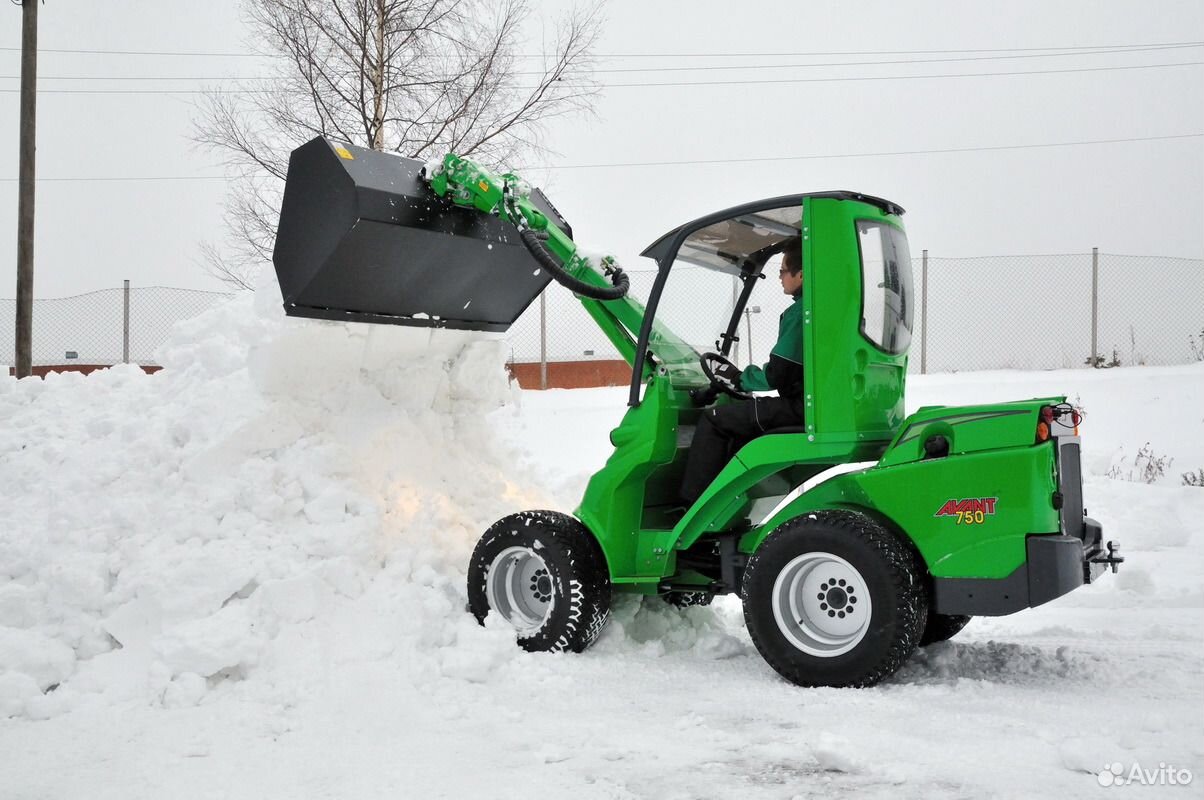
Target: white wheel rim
pixel 520 588
pixel 822 604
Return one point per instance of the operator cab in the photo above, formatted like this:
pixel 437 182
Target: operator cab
pixel 856 306
pixel 710 270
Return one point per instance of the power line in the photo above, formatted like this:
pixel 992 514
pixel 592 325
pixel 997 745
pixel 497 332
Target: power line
pixel 871 155
pixel 694 83
pixel 699 68
pixel 901 77
pixel 703 162
pixel 895 62
pixel 1117 47
pixel 1120 47
pixel 130 179
pixel 147 53
pixel 147 78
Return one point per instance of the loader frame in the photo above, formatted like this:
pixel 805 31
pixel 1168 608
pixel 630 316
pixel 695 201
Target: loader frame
pixel 987 497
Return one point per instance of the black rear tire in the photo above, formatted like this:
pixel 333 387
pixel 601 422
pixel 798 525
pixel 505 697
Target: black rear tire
pixel 942 627
pixel 834 599
pixel 567 584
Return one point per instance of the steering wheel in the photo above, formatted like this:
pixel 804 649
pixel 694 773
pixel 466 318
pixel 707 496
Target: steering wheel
pixel 709 361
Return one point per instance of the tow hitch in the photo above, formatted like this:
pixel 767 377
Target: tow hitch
pixel 1111 559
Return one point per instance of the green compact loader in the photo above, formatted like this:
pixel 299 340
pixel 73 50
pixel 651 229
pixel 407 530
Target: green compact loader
pixel 851 538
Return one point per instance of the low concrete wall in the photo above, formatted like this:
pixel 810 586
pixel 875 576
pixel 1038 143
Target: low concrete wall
pixel 573 374
pixel 561 374
pixel 84 368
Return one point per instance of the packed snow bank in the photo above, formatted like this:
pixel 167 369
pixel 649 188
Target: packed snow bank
pixel 166 536
pixel 160 531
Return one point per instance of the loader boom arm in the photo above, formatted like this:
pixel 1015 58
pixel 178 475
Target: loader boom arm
pixel 468 184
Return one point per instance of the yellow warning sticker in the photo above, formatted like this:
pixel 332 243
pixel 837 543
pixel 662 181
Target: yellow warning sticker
pixel 344 153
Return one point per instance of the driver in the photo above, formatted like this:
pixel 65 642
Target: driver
pixel 722 430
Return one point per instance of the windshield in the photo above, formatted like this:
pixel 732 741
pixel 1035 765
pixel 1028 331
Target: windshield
pixel 704 284
pixel 696 306
pixel 886 299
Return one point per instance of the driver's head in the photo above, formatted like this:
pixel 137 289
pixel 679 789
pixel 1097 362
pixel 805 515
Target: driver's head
pixel 791 271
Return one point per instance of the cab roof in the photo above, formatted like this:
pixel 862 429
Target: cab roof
pixel 737 247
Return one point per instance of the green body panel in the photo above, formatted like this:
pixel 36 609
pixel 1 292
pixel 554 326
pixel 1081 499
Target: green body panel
pixel 968 429
pixel 854 389
pixel 790 457
pixel 1018 481
pixel 614 501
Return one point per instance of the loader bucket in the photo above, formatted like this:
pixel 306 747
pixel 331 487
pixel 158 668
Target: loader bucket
pixel 362 238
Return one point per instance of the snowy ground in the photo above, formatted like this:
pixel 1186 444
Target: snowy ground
pixel 244 577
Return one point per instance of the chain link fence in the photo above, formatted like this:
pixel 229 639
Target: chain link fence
pixel 988 312
pixel 109 326
pixel 1057 311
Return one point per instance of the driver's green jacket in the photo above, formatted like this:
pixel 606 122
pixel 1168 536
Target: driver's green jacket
pixel 784 370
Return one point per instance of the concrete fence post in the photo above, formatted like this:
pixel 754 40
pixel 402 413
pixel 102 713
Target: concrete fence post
pixel 543 341
pixel 1095 306
pixel 125 325
pixel 924 314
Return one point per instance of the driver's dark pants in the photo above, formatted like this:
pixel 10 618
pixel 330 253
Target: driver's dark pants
pixel 723 430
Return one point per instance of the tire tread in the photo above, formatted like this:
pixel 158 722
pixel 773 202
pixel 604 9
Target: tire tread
pixel 905 568
pixel 588 584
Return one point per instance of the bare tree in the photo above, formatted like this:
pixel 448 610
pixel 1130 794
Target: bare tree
pixel 413 77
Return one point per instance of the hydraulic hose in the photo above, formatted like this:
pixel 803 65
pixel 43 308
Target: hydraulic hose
pixel 534 242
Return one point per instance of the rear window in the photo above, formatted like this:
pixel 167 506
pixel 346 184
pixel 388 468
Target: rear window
pixel 886 298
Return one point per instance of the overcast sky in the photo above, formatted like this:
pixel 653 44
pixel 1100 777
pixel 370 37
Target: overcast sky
pixel 1137 197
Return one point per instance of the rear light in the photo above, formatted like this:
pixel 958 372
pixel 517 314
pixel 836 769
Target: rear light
pixel 1063 415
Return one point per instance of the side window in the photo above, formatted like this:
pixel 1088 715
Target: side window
pixel 886 307
pixel 873 292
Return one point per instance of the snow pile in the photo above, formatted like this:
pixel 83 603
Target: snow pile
pixel 280 480
pixel 160 532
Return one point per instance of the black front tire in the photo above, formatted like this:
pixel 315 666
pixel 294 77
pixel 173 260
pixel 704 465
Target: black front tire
pixel 942 627
pixel 817 566
pixel 569 584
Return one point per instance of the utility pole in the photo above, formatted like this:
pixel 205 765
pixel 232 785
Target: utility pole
pixel 25 184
